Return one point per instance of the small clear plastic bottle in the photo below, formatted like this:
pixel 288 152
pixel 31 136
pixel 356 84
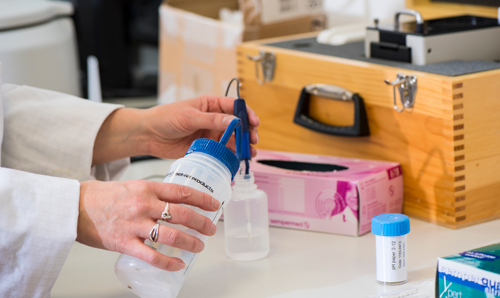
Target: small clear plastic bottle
pixel 208 166
pixel 246 221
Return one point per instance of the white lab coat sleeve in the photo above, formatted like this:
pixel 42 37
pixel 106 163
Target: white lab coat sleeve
pixel 38 219
pixel 52 133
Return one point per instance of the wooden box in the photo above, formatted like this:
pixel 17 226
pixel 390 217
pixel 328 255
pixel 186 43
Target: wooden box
pixel 448 144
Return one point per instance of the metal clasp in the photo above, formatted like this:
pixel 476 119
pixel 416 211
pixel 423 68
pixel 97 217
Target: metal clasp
pixel 267 62
pixel 407 86
pixel 329 91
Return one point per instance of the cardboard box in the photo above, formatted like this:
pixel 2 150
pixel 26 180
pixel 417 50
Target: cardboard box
pixel 325 193
pixel 474 273
pixel 198 52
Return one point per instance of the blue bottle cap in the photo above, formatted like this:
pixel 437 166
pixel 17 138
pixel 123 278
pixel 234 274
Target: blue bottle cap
pixel 390 224
pixel 218 151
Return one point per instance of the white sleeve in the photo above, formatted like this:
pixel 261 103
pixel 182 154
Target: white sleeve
pixel 38 220
pixel 52 133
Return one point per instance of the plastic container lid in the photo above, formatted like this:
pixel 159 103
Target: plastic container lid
pixel 217 150
pixel 390 224
pixel 20 13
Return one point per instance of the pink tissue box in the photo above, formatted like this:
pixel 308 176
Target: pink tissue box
pixel 327 194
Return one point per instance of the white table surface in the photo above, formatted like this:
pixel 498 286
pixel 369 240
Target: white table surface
pixel 300 264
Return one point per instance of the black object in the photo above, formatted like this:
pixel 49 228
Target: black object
pixel 358 129
pixel 118 33
pixel 390 51
pixel 302 166
pixel 142 157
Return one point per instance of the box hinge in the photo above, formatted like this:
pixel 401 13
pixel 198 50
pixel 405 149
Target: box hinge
pixel 407 86
pixel 267 62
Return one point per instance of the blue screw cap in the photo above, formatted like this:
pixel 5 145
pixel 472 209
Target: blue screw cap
pixel 390 224
pixel 218 151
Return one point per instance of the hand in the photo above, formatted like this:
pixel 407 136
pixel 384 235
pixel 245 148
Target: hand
pixel 118 216
pixel 175 126
pixel 167 131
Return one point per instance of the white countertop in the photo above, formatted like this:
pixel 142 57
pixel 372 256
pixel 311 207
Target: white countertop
pixel 300 264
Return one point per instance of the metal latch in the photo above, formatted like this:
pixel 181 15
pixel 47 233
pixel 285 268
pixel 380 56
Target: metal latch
pixel 407 86
pixel 267 62
pixel 329 91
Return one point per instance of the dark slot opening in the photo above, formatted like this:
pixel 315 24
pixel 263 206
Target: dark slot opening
pixel 302 45
pixel 302 166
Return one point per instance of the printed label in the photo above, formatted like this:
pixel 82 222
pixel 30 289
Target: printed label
pixel 290 223
pixel 210 189
pixel 391 258
pixel 479 255
pixel 460 280
pixel 394 172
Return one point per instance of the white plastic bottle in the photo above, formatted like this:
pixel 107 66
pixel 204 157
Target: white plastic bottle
pixel 209 167
pixel 390 232
pixel 246 221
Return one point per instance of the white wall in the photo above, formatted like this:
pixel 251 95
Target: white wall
pixel 354 11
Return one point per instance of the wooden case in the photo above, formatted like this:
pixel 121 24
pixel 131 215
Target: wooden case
pixel 448 144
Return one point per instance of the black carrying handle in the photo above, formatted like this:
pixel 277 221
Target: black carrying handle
pixel 358 129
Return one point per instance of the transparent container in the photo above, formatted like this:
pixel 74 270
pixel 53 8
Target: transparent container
pixel 246 221
pixel 208 166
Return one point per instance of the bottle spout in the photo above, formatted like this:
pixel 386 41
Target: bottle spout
pixel 235 126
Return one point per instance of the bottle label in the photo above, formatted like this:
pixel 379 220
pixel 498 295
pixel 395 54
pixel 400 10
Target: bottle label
pixel 187 176
pixel 391 258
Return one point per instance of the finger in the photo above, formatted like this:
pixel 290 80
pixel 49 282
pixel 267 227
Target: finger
pixel 176 193
pixel 253 119
pixel 185 216
pixel 254 136
pixel 147 254
pixel 253 152
pixel 212 121
pixel 231 144
pixel 219 104
pixel 226 105
pixel 170 236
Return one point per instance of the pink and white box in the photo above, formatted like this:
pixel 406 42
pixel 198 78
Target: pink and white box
pixel 327 194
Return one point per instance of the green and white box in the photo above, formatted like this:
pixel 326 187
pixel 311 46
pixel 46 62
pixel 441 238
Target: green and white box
pixel 473 273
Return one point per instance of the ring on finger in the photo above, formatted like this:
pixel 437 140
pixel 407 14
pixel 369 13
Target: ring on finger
pixel 165 215
pixel 154 233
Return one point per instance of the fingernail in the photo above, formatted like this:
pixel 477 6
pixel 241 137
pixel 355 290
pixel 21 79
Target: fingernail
pixel 227 119
pixel 215 204
pixel 258 120
pixel 180 265
pixel 201 247
pixel 257 135
pixel 213 229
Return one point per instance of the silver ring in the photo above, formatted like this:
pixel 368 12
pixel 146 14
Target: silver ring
pixel 165 215
pixel 154 233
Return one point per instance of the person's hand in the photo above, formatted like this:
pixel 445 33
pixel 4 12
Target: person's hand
pixel 167 131
pixel 118 216
pixel 175 126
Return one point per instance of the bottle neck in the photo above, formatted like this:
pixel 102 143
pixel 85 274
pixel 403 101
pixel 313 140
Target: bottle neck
pixel 244 182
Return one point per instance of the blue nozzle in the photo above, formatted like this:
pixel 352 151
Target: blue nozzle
pixel 235 126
